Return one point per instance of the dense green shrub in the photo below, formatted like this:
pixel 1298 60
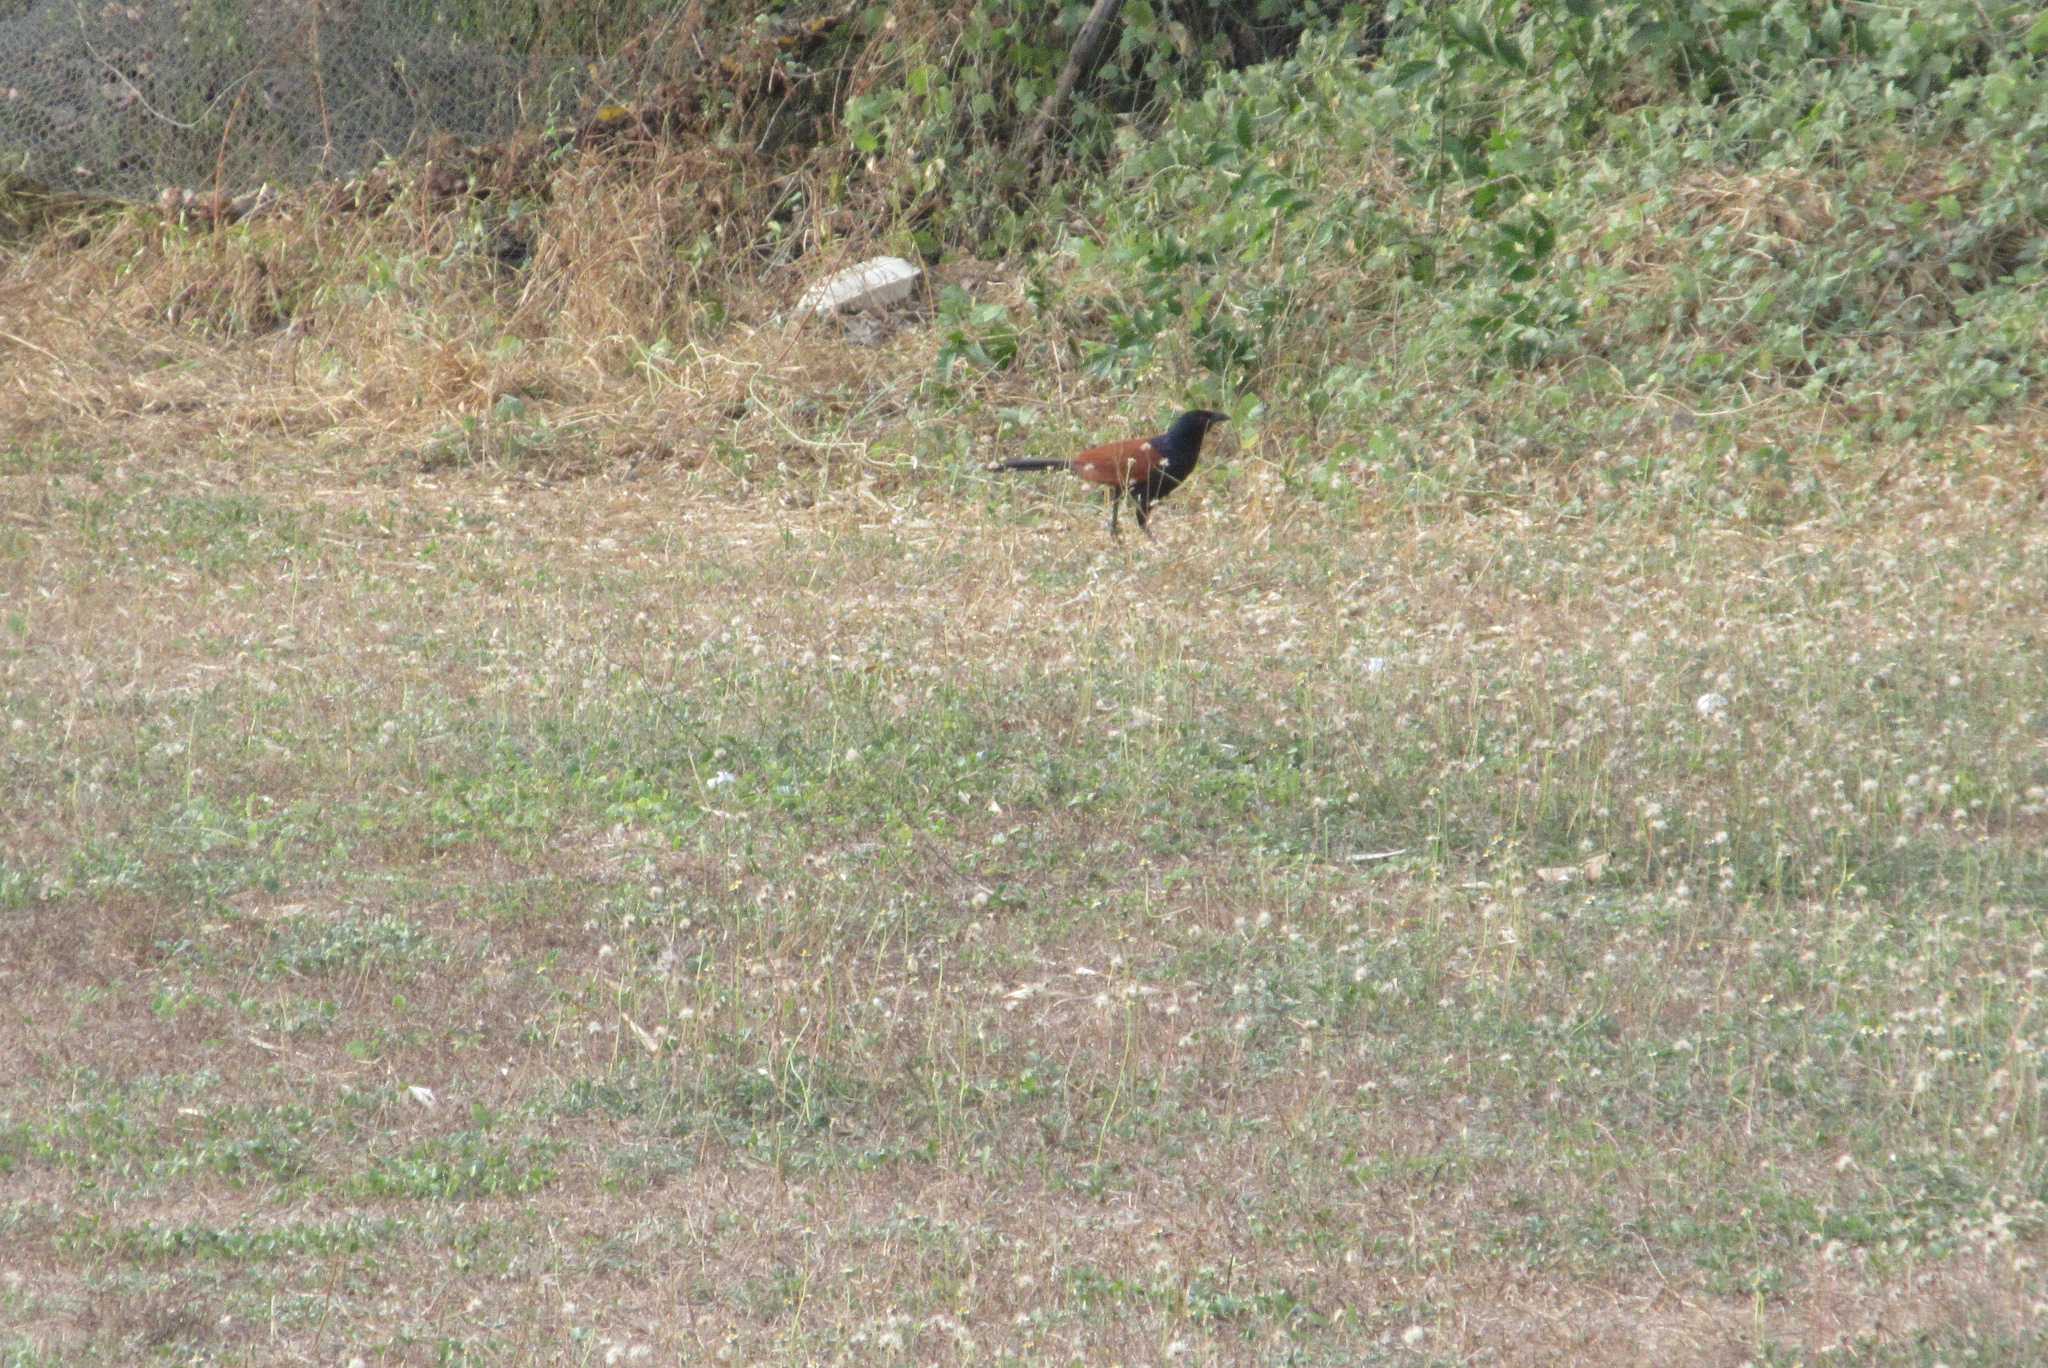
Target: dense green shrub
pixel 937 111
pixel 1839 199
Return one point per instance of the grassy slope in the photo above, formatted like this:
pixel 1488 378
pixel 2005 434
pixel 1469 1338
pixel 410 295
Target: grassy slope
pixel 838 907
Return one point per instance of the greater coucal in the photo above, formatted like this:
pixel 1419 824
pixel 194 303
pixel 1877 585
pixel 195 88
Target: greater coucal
pixel 1146 468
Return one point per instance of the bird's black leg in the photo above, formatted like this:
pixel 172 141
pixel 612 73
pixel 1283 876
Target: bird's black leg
pixel 1142 506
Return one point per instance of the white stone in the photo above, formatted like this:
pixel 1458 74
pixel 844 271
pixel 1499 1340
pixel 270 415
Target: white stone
pixel 874 284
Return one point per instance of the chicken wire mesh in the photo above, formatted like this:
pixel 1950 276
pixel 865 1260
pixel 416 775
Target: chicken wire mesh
pixel 126 99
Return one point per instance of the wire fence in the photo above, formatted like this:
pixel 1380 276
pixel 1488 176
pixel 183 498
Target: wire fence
pixel 124 100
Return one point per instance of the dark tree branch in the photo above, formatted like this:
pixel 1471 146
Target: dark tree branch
pixel 1087 51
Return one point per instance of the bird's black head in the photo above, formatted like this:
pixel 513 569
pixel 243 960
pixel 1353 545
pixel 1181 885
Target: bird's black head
pixel 1191 427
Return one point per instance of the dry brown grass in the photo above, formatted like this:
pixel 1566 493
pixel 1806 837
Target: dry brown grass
pixel 978 1228
pixel 1020 994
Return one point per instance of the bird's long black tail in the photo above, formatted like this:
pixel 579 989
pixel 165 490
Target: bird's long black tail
pixel 1030 463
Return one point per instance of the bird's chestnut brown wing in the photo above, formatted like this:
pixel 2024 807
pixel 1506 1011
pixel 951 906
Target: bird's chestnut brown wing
pixel 1121 464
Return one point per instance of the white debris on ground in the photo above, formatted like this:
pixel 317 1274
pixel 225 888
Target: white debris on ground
pixel 875 283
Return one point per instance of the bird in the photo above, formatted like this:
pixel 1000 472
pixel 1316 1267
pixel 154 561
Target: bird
pixel 1145 468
